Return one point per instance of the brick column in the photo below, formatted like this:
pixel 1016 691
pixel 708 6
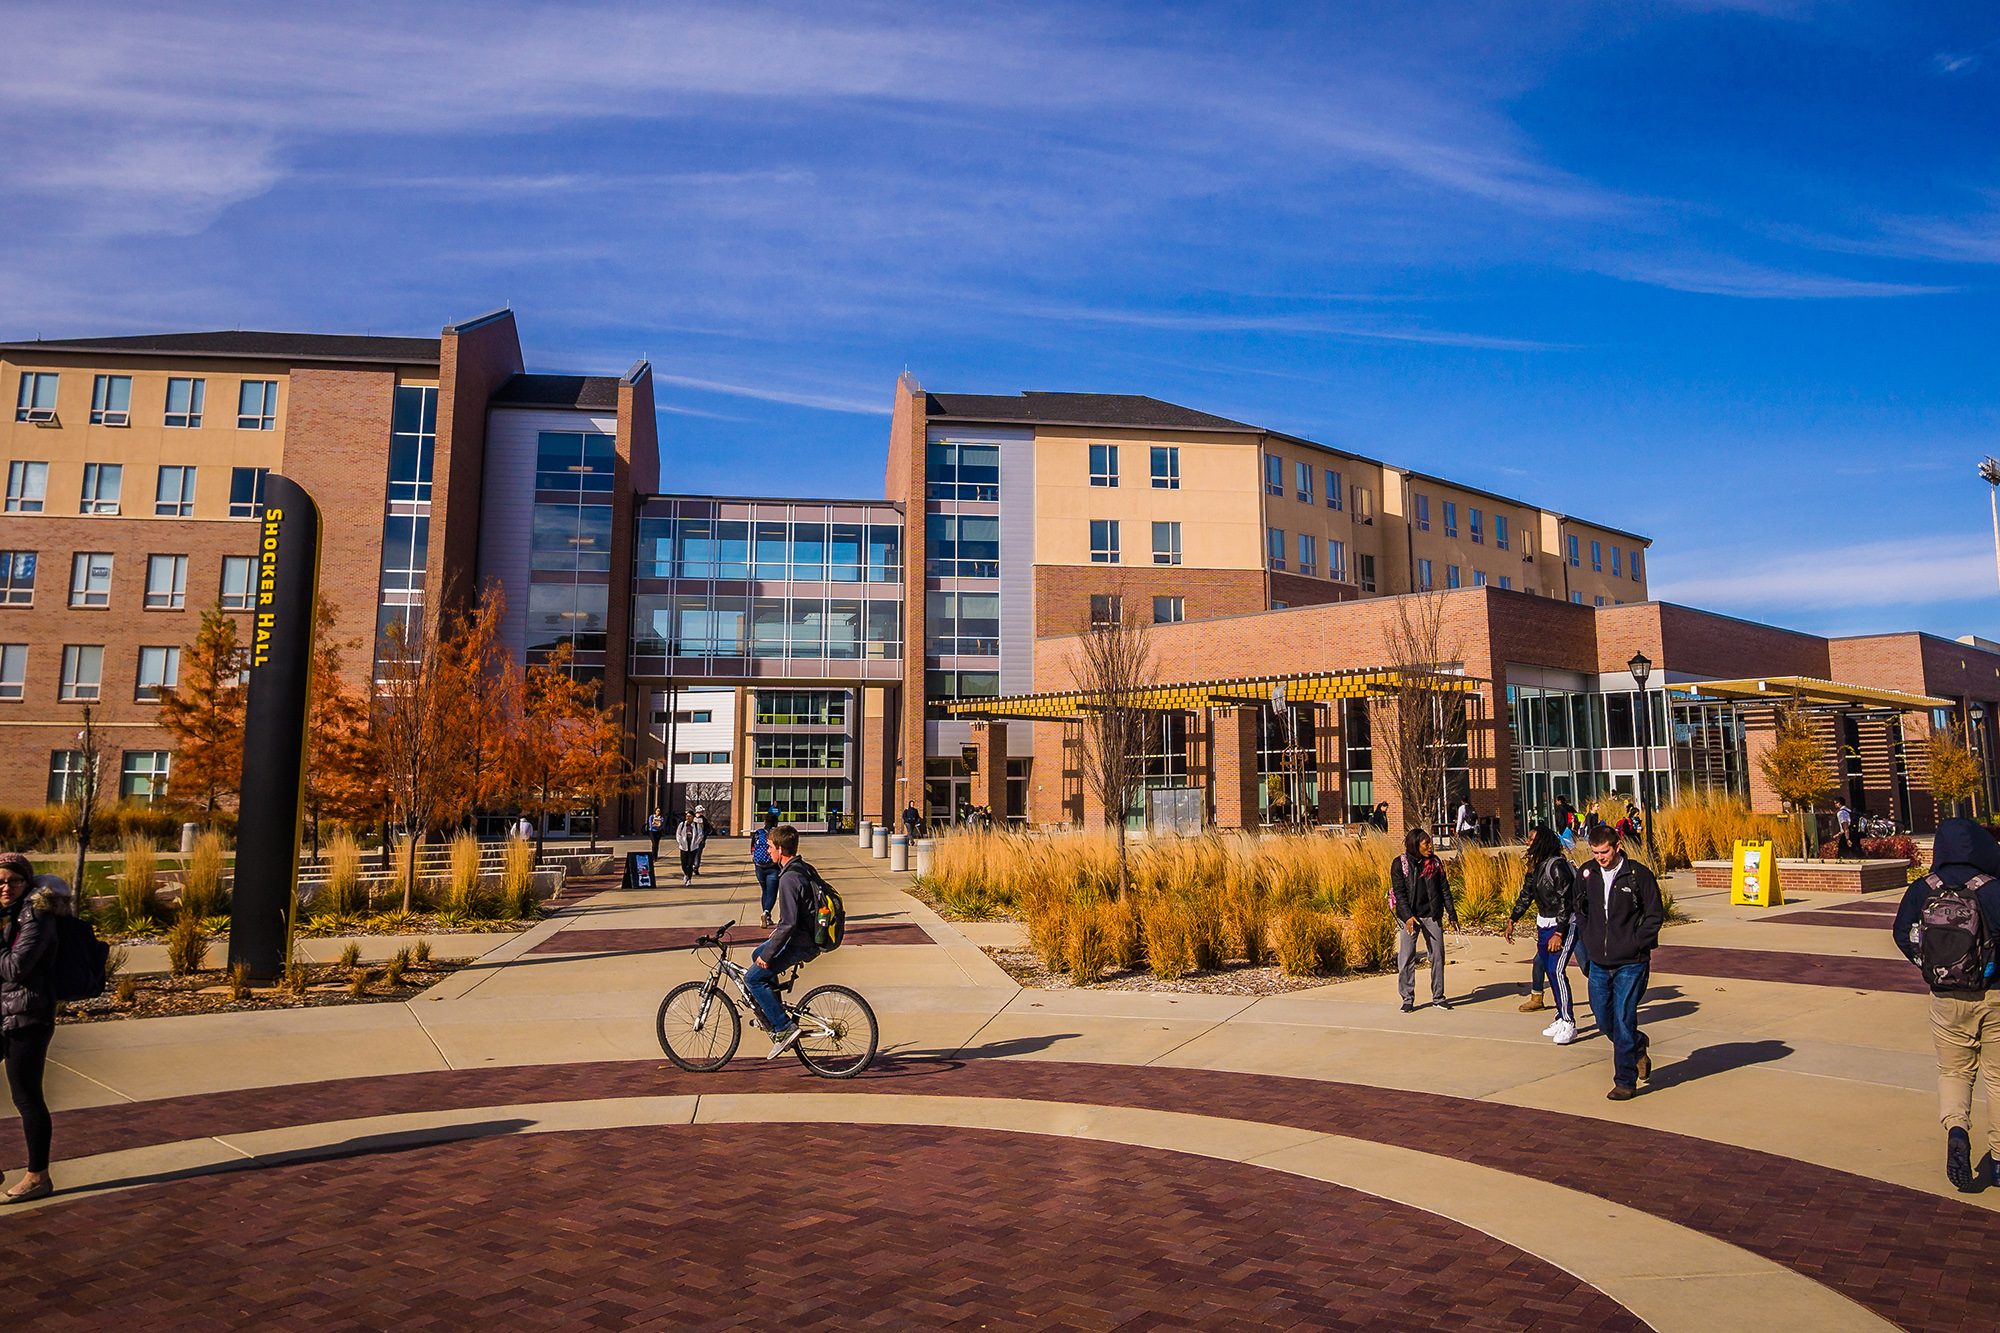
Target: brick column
pixel 989 785
pixel 1332 762
pixel 1233 777
pixel 1760 733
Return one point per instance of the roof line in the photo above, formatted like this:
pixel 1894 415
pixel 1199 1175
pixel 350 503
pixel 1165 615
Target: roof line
pixel 477 321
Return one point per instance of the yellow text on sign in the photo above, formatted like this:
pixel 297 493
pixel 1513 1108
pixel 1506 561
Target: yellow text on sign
pixel 1753 876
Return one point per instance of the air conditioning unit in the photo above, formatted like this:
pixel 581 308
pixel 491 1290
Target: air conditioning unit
pixel 116 418
pixel 43 416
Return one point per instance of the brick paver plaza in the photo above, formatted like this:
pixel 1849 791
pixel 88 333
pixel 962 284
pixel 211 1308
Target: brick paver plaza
pixel 511 1150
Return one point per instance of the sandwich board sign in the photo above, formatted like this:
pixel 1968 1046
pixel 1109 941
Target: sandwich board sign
pixel 1753 876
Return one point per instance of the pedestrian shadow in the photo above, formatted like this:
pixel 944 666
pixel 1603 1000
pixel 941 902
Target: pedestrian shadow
pixel 1720 1059
pixel 1661 1003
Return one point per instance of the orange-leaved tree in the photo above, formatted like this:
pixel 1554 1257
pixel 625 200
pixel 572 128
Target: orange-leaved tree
pixel 487 687
pixel 552 755
pixel 343 773
pixel 204 715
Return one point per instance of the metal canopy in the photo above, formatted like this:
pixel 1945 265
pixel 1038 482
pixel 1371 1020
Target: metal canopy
pixel 1809 690
pixel 1299 687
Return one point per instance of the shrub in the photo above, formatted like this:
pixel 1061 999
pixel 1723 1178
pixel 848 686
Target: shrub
pixel 1308 943
pixel 128 990
pixel 393 973
pixel 1091 941
pixel 138 884
pixel 343 875
pixel 1246 899
pixel 423 952
pixel 350 957
pixel 187 945
pixel 1375 930
pixel 464 892
pixel 1162 923
pixel 1705 826
pixel 517 879
pixel 201 884
pixel 357 984
pixel 114 963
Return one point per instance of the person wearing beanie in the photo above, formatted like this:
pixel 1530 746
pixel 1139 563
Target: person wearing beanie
pixel 27 1016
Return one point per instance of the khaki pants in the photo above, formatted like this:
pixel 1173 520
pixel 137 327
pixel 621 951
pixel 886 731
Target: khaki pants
pixel 1962 1028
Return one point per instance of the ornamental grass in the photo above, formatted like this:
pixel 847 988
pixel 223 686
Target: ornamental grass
pixel 201 884
pixel 517 879
pixel 344 895
pixel 1706 826
pixel 464 891
pixel 139 883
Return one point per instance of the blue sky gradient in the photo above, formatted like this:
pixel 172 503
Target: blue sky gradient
pixel 1722 274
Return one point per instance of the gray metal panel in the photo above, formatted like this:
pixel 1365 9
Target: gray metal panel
pixel 507 508
pixel 1017 566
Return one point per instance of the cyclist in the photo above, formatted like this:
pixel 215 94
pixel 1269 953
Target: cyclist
pixel 791 943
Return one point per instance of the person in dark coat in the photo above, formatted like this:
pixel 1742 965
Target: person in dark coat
pixel 27 1016
pixel 1963 1021
pixel 1619 920
pixel 1549 887
pixel 1422 896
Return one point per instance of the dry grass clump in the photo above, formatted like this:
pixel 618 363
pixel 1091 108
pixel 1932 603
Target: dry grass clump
pixel 187 944
pixel 1310 943
pixel 464 891
pixel 357 984
pixel 1374 929
pixel 1705 826
pixel 201 886
pixel 393 973
pixel 1491 882
pixel 350 957
pixel 239 982
pixel 343 875
pixel 139 882
pixel 423 952
pixel 517 879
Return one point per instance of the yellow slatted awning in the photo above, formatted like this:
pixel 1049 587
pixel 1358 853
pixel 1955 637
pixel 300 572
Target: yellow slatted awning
pixel 1234 692
pixel 1809 690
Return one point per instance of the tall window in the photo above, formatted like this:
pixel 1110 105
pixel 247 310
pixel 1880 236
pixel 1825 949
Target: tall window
pixel 1572 553
pixel 1505 582
pixel 1274 475
pixel 1166 543
pixel 144 777
pixel 412 441
pixel 1308 553
pixel 166 582
pixel 1478 578
pixel 1499 532
pixel 159 669
pixel 101 484
pixel 1635 566
pixel 962 472
pixel 1451 576
pixel 257 405
pixel 1332 489
pixel 1423 507
pixel 1104 541
pixel 578 536
pixel 173 495
pixel 111 401
pixel 1169 610
pixel 1597 557
pixel 1614 563
pixel 1527 542
pixel 246 492
pixel 1104 465
pixel 82 672
pixel 67 775
pixel 963 624
pixel 13 670
pixel 27 487
pixel 1336 560
pixel 17 578
pixel 38 395
pixel 1451 518
pixel 405 547
pixel 1474 527
pixel 1364 506
pixel 239 582
pixel 90 579
pixel 1424 575
pixel 1303 474
pixel 1166 468
pixel 1275 540
pixel 965 546
pixel 184 402
pixel 1106 608
pixel 1364 571
pixel 568 461
pixel 1574 596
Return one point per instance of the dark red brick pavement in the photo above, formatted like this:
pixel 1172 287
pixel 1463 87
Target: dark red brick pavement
pixel 667 938
pixel 1831 917
pixel 1802 969
pixel 880 1228
pixel 1920 1260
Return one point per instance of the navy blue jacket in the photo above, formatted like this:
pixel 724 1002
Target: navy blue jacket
pixel 1961 850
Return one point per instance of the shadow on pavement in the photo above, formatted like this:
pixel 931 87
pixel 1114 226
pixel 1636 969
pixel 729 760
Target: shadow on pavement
pixel 1720 1060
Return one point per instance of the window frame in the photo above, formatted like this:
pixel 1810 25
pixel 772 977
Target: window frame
pixel 1423 511
pixel 1451 518
pixel 253 507
pixel 1597 557
pixel 30 398
pixel 1332 489
pixel 1169 552
pixel 169 658
pixel 153 778
pixel 91 499
pixel 1274 474
pixel 1424 575
pixel 1104 465
pixel 1364 571
pixel 1364 506
pixel 1302 482
pixel 1106 608
pixel 1336 560
pixel 1105 540
pixel 1274 548
pixel 102 391
pixel 13 657
pixel 1615 572
pixel 1451 576
pixel 72 687
pixel 247 599
pixel 25 475
pixel 182 504
pixel 174 596
pixel 1499 532
pixel 1308 545
pixel 13 583
pixel 82 575
pixel 1475 528
pixel 1175 608
pixel 266 416
pixel 189 418
pixel 1167 478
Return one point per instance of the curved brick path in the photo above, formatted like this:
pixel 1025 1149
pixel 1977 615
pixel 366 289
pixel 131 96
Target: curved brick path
pixel 776 1226
pixel 1919 1260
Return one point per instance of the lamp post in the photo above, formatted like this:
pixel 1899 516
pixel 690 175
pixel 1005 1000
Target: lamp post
pixel 1975 741
pixel 1641 667
pixel 1989 472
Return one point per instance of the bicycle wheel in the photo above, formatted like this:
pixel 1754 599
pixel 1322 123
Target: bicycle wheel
pixel 846 1044
pixel 696 1042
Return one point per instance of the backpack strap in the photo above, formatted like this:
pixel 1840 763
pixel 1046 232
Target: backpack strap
pixel 1932 882
pixel 1978 882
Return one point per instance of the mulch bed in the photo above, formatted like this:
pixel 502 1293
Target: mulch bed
pixel 1235 978
pixel 207 992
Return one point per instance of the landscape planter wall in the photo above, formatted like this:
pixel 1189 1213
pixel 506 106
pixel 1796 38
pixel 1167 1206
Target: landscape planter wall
pixel 1795 876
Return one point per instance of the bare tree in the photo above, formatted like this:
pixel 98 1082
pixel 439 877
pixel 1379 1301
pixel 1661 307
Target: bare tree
pixel 1114 661
pixel 1420 722
pixel 84 792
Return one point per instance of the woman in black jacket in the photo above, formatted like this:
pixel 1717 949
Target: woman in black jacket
pixel 27 1016
pixel 1422 896
pixel 1550 888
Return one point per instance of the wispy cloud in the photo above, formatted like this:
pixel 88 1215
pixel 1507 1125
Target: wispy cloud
pixel 1884 574
pixel 1225 322
pixel 1716 275
pixel 775 394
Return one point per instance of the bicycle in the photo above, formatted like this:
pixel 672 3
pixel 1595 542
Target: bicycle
pixel 699 1025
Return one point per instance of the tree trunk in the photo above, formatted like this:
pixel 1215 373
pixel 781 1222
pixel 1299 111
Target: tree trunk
pixel 410 884
pixel 82 849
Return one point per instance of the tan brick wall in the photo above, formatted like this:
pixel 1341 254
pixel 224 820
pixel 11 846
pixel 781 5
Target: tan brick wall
pixel 1063 593
pixel 905 484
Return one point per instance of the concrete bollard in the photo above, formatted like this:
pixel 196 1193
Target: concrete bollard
pixel 189 832
pixel 866 830
pixel 924 846
pixel 899 851
pixel 881 848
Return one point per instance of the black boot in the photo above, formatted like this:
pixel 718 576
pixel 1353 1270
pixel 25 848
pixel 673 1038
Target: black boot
pixel 1958 1161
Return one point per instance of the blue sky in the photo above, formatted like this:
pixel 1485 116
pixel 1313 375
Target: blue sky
pixel 1719 273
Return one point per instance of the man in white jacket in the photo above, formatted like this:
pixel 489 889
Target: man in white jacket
pixel 691 837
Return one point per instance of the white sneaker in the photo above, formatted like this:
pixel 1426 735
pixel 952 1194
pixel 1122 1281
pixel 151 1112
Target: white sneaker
pixel 1553 1028
pixel 784 1041
pixel 1564 1033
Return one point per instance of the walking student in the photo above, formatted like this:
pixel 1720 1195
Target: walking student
pixel 1550 888
pixel 691 837
pixel 27 1016
pixel 1422 896
pixel 791 942
pixel 1619 919
pixel 766 865
pixel 1947 924
pixel 656 824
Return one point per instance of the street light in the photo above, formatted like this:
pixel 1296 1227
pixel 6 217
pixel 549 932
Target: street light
pixel 1989 472
pixel 1641 667
pixel 1975 741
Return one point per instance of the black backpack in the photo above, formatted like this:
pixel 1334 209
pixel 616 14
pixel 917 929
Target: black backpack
pixel 78 973
pixel 1954 948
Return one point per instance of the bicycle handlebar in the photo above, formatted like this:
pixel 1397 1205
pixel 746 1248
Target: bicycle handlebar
pixel 714 941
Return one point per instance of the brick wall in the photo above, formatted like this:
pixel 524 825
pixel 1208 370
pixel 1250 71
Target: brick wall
pixel 1298 590
pixel 905 484
pixel 473 363
pixel 1063 593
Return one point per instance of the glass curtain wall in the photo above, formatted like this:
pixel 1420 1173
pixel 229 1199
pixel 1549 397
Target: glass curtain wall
pixel 1288 762
pixel 1578 746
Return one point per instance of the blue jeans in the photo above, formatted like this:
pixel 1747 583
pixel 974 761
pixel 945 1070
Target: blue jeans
pixel 767 881
pixel 1615 993
pixel 762 983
